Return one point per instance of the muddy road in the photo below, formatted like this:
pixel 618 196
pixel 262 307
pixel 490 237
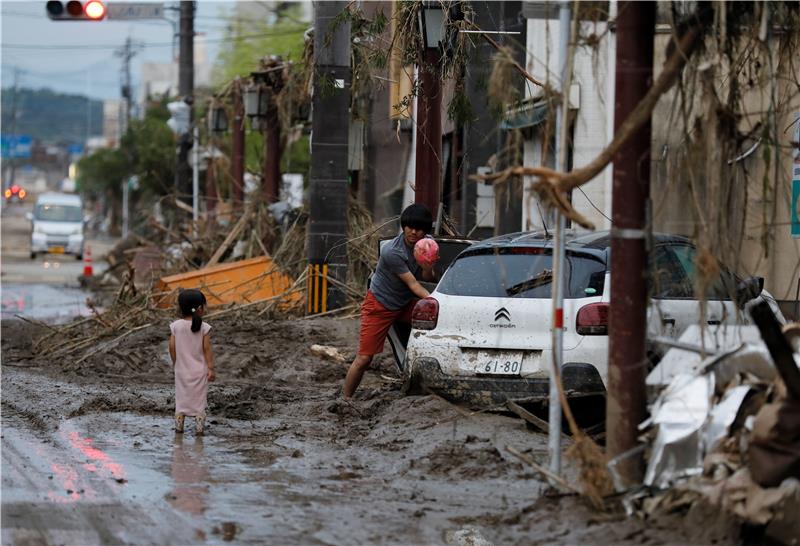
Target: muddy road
pixel 89 455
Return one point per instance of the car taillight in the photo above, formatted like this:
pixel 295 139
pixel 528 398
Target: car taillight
pixel 425 314
pixel 22 194
pixel 8 194
pixel 593 320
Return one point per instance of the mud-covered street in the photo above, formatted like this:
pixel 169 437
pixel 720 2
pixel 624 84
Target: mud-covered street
pixel 90 455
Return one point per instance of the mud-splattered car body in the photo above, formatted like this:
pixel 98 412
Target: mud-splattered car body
pixel 483 337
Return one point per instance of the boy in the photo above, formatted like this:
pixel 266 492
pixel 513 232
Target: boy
pixel 393 291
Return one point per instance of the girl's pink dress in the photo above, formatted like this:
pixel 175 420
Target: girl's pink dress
pixel 191 371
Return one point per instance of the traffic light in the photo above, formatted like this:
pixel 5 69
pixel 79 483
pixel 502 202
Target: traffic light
pixel 73 10
pixel 180 119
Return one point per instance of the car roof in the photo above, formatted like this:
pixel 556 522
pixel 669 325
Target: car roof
pixel 53 198
pixel 592 242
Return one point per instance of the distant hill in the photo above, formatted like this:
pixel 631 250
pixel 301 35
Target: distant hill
pixel 52 117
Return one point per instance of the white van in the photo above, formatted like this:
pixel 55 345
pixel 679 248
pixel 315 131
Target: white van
pixel 57 225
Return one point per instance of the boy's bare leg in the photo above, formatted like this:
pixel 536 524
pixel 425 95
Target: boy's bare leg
pixel 355 374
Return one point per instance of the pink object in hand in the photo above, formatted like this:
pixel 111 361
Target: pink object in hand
pixel 426 252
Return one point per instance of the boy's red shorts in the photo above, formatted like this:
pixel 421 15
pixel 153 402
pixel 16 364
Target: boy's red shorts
pixel 375 323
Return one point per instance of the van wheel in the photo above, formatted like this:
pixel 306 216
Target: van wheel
pixel 33 255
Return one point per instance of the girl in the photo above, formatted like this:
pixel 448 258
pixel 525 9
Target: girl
pixel 190 350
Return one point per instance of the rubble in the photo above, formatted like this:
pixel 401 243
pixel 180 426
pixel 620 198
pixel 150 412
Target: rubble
pixel 725 431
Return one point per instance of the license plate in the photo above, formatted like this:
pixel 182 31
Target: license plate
pixel 496 362
pixel 56 250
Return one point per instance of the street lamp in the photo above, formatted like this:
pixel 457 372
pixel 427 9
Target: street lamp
pixel 218 120
pixel 431 24
pixel 429 103
pixel 256 101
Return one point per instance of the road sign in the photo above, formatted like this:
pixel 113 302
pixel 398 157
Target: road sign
pixel 135 10
pixel 15 146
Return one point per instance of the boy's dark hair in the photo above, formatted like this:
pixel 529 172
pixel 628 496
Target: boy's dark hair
pixel 417 216
pixel 189 301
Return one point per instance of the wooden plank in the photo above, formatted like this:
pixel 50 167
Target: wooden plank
pixel 541 424
pixel 232 235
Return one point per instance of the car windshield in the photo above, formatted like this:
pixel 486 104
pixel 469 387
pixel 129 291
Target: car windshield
pixel 58 213
pixel 515 272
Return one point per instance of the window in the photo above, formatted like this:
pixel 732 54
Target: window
pixel 521 273
pixel 58 213
pixel 674 275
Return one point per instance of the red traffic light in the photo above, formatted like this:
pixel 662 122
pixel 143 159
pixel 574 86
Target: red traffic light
pixel 74 10
pixel 94 10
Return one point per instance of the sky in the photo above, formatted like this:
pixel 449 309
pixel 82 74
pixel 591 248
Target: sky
pixel 78 57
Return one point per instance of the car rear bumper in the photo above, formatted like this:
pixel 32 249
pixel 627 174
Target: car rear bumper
pixel 579 379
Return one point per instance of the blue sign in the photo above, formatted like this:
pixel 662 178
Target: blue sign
pixel 16 146
pixel 75 149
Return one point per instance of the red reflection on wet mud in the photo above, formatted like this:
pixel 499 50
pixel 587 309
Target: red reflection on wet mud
pixel 68 479
pixel 84 445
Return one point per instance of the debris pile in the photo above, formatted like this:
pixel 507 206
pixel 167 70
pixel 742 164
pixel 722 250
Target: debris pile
pixel 253 261
pixel 727 435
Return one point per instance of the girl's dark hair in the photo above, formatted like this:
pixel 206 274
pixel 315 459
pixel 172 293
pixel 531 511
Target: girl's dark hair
pixel 189 301
pixel 417 216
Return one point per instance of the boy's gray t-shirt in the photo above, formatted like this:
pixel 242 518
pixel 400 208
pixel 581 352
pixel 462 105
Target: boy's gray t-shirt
pixel 396 258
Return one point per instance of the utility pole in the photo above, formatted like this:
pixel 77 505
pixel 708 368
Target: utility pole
pixel 429 132
pixel 126 53
pixel 237 144
pixel 186 91
pixel 328 188
pixel 630 201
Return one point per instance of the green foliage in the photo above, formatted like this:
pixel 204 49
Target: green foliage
pixel 52 117
pixel 103 171
pixel 278 32
pixel 147 150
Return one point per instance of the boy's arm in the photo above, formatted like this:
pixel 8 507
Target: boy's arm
pixel 172 353
pixel 209 354
pixel 414 285
pixel 428 274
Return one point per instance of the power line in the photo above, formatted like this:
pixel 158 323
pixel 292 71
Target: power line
pixel 49 47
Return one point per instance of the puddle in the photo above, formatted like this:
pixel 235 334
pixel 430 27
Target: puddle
pixel 44 302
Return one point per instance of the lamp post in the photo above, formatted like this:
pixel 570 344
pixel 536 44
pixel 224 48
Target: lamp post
pixel 270 80
pixel 237 143
pixel 429 108
pixel 217 124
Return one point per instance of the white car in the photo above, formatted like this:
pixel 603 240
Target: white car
pixel 57 225
pixel 483 336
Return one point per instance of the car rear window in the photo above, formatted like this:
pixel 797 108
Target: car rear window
pixel 521 273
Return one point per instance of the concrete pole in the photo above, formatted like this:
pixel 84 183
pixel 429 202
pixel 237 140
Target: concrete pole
pixel 630 200
pixel 429 133
pixel 125 206
pixel 185 89
pixel 557 331
pixel 328 187
pixel 195 177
